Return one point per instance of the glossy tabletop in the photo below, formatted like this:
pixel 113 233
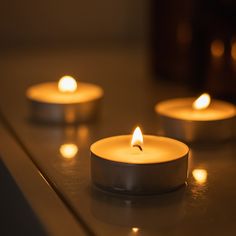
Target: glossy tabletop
pixel 205 206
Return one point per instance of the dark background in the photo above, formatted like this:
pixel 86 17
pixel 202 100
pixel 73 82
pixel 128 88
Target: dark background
pixel 188 41
pixel 71 23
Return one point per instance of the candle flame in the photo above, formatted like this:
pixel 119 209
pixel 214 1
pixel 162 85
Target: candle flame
pixel 67 84
pixel 202 102
pixel 137 138
pixel 68 150
pixel 200 175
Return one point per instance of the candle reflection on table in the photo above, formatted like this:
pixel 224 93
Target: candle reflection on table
pixel 77 134
pixel 83 134
pixel 133 212
pixel 200 175
pixel 68 150
pixel 135 230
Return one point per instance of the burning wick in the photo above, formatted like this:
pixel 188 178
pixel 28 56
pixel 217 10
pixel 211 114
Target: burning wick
pixel 137 139
pixel 138 146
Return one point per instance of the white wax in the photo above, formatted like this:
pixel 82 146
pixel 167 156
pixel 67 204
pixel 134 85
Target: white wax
pixel 155 149
pixel 49 93
pixel 181 108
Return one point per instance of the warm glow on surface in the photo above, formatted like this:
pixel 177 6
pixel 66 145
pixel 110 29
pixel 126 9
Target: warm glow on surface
pixel 67 84
pixel 217 48
pixel 200 175
pixel 202 102
pixel 233 51
pixel 137 138
pixel 135 229
pixel 68 150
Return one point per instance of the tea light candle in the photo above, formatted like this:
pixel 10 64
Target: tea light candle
pixel 138 164
pixel 65 101
pixel 201 119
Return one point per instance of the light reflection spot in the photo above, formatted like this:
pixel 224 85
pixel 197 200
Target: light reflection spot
pixel 200 175
pixel 68 150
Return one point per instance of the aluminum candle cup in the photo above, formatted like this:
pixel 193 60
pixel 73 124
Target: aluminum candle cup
pixel 161 166
pixel 180 119
pixel 51 102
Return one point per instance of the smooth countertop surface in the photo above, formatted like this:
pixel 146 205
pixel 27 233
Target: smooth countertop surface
pixel 130 96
